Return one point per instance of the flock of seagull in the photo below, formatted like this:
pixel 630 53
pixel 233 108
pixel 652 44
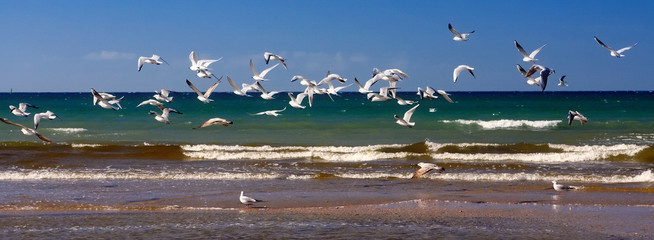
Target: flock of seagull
pixel 325 86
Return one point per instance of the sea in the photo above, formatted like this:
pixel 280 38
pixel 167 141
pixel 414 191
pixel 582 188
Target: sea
pixel 113 160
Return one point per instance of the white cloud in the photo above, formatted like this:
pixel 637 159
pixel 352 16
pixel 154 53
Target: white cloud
pixel 109 55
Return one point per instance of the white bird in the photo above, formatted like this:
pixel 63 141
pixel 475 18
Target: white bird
pixel 274 57
pixel 204 97
pixel 21 109
pixel 163 96
pixel 202 66
pixel 163 117
pixel 560 187
pixel 44 115
pixel 427 93
pixel 215 121
pixel 265 94
pixel 403 102
pixel 153 103
pixel 562 83
pixel 530 79
pixel 365 89
pixel 241 91
pixel 445 95
pixel 426 168
pixel 574 115
pixel 545 72
pixel 406 119
pixel 260 76
pixel 381 96
pixel 297 102
pixel 25 130
pixel 103 102
pixel 151 60
pixel 458 69
pixel 248 200
pixel 528 57
pixel 614 53
pixel 270 112
pixel 460 37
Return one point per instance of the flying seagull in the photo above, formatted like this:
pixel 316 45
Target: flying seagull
pixel 426 168
pixel 27 131
pixel 201 66
pixel 153 103
pixel 103 102
pixel 562 83
pixel 268 56
pixel 163 95
pixel 44 115
pixel 406 119
pixel 204 97
pixel 163 117
pixel 574 115
pixel 614 53
pixel 528 57
pixel 215 121
pixel 270 112
pixel 260 76
pixel 545 72
pixel 459 69
pixel 459 37
pixel 155 59
pixel 427 93
pixel 20 110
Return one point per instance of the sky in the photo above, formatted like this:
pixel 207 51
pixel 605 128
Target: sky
pixel 73 46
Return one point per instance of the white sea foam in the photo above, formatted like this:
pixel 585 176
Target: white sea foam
pixel 68 130
pixel 82 145
pixel 131 175
pixel 508 123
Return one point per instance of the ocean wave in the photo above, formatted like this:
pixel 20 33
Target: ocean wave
pixel 508 123
pixel 68 130
pixel 56 174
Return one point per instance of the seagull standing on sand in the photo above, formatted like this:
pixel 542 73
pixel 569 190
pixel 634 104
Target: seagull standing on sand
pixel 25 130
pixel 614 53
pixel 248 200
pixel 268 56
pixel 163 117
pixel 560 187
pixel 204 97
pixel 406 119
pixel 20 111
pixel 201 66
pixel 151 60
pixel 44 115
pixel 528 57
pixel 574 115
pixel 459 69
pixel 426 168
pixel 215 121
pixel 459 37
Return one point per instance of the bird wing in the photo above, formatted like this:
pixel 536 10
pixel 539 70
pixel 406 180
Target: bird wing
pixel 408 114
pixel 194 88
pixel 193 58
pixel 520 49
pixel 4 120
pixel 522 70
pixel 99 97
pixel 264 72
pixel 45 139
pixel 140 63
pixel 626 48
pixel 602 44
pixel 533 54
pixel 232 83
pixel 445 95
pixel 449 26
pixel 254 71
pixel 206 62
pixel 457 71
pixel 421 171
pixel 210 90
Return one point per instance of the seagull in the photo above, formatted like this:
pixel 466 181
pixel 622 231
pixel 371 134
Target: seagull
pixel 381 96
pixel 241 91
pixel 163 117
pixel 445 95
pixel 614 53
pixel 270 112
pixel 274 57
pixel 44 115
pixel 528 57
pixel 260 76
pixel 545 72
pixel 153 103
pixel 202 66
pixel 458 36
pixel 151 60
pixel 216 121
pixel 530 80
pixel 406 120
pixel 403 102
pixel 560 187
pixel 574 115
pixel 248 200
pixel 111 99
pixel 103 102
pixel 204 97
pixel 426 168
pixel 20 111
pixel 297 102
pixel 265 94
pixel 163 96
pixel 427 93
pixel 365 89
pixel 27 131
pixel 561 82
pixel 457 71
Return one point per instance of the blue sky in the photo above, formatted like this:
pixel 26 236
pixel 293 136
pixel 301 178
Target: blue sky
pixel 72 46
